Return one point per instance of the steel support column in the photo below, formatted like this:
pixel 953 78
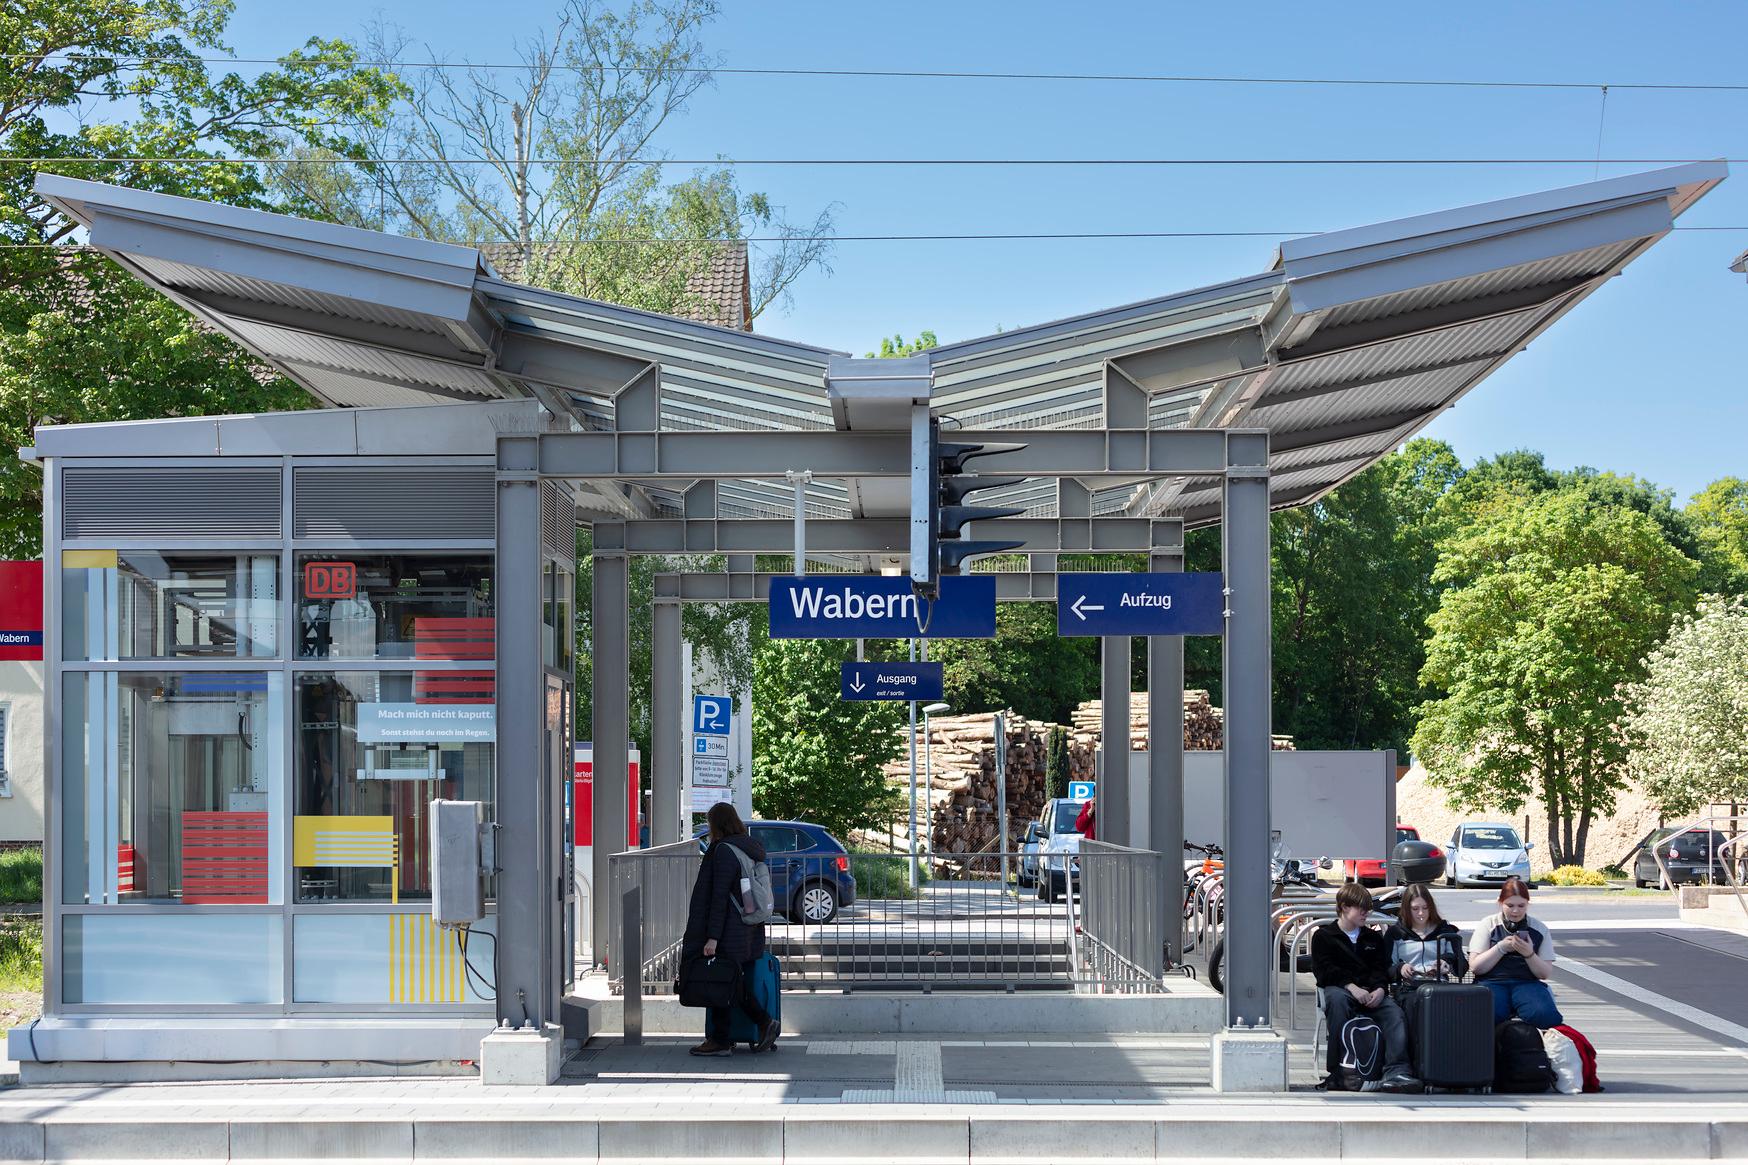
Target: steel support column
pixel 1246 666
pixel 667 724
pixel 528 873
pixel 611 662
pixel 1113 788
pixel 1165 744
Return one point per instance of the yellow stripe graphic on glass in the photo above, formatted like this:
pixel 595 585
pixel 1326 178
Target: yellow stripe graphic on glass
pixel 424 961
pixel 348 841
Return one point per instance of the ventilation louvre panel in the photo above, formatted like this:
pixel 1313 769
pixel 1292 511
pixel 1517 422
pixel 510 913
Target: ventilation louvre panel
pixel 170 503
pixel 394 503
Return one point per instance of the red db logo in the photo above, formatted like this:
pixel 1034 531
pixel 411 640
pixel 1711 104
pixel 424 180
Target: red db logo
pixel 330 580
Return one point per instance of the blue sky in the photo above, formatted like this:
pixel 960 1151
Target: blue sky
pixel 1643 378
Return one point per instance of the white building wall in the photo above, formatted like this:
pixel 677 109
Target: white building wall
pixel 21 805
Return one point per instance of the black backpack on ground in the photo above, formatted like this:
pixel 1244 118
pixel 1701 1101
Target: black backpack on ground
pixel 1520 1059
pixel 1362 1052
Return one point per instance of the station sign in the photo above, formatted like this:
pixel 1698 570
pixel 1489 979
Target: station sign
pixel 1117 603
pixel 874 606
pixel 891 681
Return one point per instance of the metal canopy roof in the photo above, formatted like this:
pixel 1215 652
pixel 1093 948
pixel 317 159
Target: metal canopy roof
pixel 1352 342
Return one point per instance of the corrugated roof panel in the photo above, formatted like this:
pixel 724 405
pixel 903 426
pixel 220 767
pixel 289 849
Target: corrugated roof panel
pixel 1559 269
pixel 360 393
pixel 1423 390
pixel 304 348
pixel 196 280
pixel 1489 336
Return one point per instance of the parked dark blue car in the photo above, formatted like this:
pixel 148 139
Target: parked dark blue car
pixel 810 869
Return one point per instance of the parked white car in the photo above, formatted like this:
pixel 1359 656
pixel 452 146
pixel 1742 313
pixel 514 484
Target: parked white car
pixel 1483 853
pixel 1057 847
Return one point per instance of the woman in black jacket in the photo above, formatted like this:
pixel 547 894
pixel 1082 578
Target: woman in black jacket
pixel 1424 948
pixel 714 927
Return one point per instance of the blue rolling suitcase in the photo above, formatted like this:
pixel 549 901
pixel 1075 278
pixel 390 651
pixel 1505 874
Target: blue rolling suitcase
pixel 767 984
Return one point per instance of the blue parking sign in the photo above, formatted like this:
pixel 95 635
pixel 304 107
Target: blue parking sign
pixel 712 715
pixel 1080 790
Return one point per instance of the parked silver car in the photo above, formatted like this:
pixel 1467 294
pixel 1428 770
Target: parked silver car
pixel 1485 853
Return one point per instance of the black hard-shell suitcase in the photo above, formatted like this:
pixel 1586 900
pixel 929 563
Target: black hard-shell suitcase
pixel 1451 1032
pixel 767 982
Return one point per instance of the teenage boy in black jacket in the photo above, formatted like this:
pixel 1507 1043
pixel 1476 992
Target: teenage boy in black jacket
pixel 1351 964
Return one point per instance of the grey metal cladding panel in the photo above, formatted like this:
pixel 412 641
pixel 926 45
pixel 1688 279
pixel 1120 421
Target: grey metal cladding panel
pixel 169 503
pixel 1560 268
pixel 394 503
pixel 1426 390
pixel 343 356
pixel 1045 336
pixel 194 280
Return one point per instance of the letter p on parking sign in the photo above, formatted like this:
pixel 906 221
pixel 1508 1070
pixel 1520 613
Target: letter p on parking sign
pixel 712 715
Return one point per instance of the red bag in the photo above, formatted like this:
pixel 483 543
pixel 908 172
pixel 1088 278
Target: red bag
pixel 1586 1053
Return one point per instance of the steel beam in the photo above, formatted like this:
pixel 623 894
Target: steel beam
pixel 1113 824
pixel 610 636
pixel 1110 535
pixel 526 897
pixel 741 586
pixel 1246 666
pixel 688 456
pixel 667 724
pixel 1165 746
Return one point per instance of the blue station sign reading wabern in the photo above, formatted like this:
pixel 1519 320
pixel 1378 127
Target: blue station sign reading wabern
pixel 1116 603
pixel 877 606
pixel 890 681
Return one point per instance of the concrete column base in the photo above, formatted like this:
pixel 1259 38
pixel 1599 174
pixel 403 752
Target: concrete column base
pixel 522 1055
pixel 1250 1061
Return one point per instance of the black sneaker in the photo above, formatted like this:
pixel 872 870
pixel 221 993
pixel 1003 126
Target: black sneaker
pixel 768 1037
pixel 1401 1082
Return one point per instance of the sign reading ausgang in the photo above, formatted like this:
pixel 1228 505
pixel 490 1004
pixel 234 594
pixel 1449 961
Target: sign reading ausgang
pixel 1114 603
pixel 872 606
pixel 890 681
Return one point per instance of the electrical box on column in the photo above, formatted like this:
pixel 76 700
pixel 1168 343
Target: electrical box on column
pixel 461 857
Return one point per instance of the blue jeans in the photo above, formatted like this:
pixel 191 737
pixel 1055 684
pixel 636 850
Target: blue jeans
pixel 1530 1001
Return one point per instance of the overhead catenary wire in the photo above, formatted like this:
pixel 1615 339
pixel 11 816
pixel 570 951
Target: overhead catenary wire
pixel 934 74
pixel 727 162
pixel 1007 236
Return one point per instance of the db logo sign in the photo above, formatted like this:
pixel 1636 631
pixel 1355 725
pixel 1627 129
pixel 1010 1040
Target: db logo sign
pixel 330 580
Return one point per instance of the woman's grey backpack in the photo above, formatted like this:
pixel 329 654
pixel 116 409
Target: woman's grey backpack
pixel 755 901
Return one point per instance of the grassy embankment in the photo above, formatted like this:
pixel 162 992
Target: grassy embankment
pixel 20 938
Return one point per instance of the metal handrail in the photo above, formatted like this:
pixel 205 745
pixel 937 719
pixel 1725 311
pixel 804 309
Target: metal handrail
pixel 1729 870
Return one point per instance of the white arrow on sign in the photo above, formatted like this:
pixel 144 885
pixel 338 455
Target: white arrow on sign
pixel 856 683
pixel 1081 607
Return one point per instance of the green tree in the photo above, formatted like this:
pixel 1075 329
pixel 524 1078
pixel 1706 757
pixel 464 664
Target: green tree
pixel 1719 517
pixel 1026 667
pixel 720 634
pixel 896 345
pixel 1551 607
pixel 1056 763
pixel 816 756
pixel 1352 591
pixel 560 157
pixel 120 88
pixel 1688 727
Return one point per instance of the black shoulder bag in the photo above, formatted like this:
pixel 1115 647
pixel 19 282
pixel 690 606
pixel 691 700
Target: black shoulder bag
pixel 709 981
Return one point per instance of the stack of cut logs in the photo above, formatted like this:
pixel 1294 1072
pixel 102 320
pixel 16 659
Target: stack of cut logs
pixel 957 801
pixel 1203 723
